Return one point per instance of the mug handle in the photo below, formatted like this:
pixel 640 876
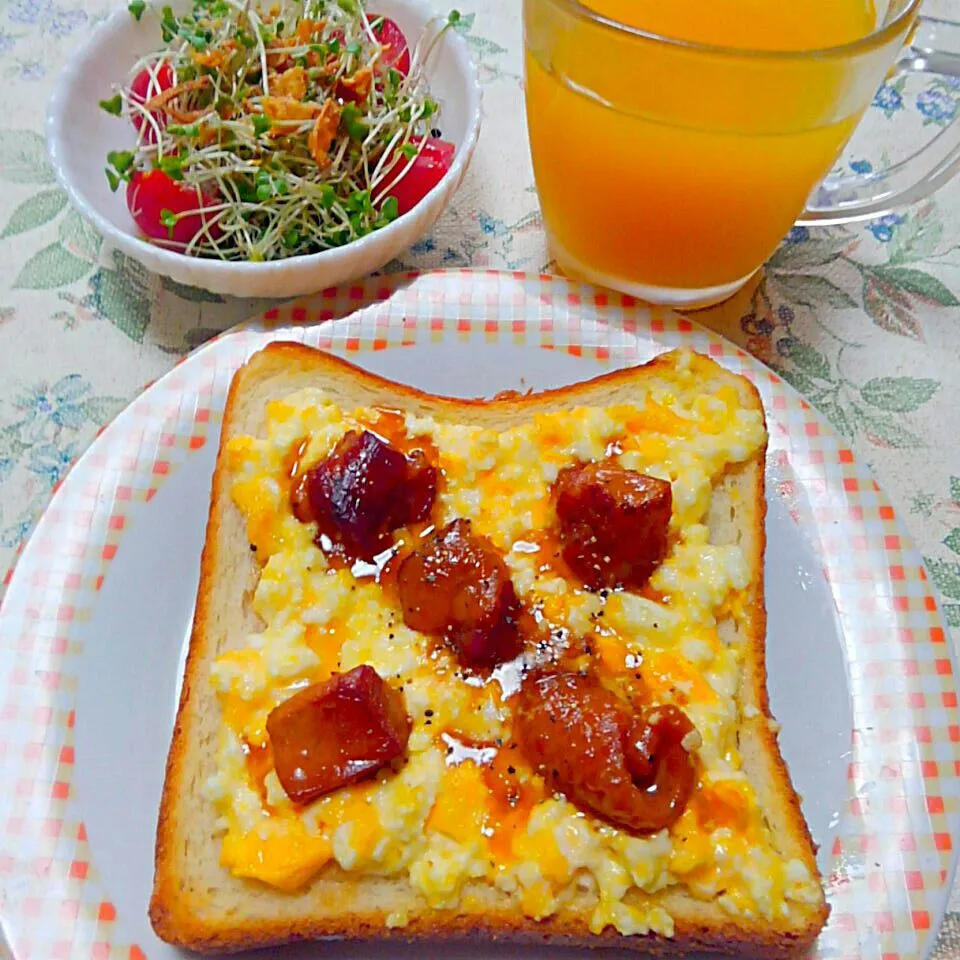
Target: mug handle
pixel 849 197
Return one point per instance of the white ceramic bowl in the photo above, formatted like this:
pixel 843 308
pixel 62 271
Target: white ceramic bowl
pixel 79 135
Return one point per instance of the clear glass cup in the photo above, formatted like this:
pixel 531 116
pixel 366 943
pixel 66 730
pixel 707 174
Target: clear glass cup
pixel 671 170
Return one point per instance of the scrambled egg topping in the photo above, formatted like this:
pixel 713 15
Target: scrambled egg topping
pixel 439 819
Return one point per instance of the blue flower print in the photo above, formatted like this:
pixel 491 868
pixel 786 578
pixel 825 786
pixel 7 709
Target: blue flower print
pixel 27 11
pixel 785 346
pixel 7 40
pixel 6 467
pixel 50 462
pixel 61 405
pixel 764 324
pixel 883 229
pixel 754 327
pixel 63 22
pixel 426 245
pixel 12 536
pixel 798 234
pixel 888 99
pixel 32 70
pixel 58 21
pixel 455 258
pixel 936 106
pixel 861 166
pixel 491 226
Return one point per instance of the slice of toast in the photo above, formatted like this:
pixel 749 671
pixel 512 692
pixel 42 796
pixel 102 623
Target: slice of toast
pixel 199 904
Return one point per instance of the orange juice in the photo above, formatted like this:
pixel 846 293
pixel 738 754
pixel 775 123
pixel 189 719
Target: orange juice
pixel 673 171
pixel 747 24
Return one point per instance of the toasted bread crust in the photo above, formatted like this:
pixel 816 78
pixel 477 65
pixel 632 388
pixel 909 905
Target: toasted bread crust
pixel 198 904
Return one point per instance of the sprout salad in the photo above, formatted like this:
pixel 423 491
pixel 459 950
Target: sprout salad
pixel 265 133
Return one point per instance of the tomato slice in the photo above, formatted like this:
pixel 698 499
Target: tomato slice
pixel 426 171
pixel 151 193
pixel 439 151
pixel 396 53
pixel 145 86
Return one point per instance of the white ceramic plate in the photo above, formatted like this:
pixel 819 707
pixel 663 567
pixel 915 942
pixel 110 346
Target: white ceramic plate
pixel 94 624
pixel 79 135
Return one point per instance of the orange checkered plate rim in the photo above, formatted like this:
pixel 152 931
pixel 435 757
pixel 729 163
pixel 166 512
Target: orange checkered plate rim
pixel 88 685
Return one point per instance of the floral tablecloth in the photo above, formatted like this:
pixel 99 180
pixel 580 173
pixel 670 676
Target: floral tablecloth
pixel 865 321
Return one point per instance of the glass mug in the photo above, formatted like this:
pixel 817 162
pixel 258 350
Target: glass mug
pixel 671 170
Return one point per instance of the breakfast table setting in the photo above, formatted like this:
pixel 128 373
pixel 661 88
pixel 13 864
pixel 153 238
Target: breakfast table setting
pixel 858 323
